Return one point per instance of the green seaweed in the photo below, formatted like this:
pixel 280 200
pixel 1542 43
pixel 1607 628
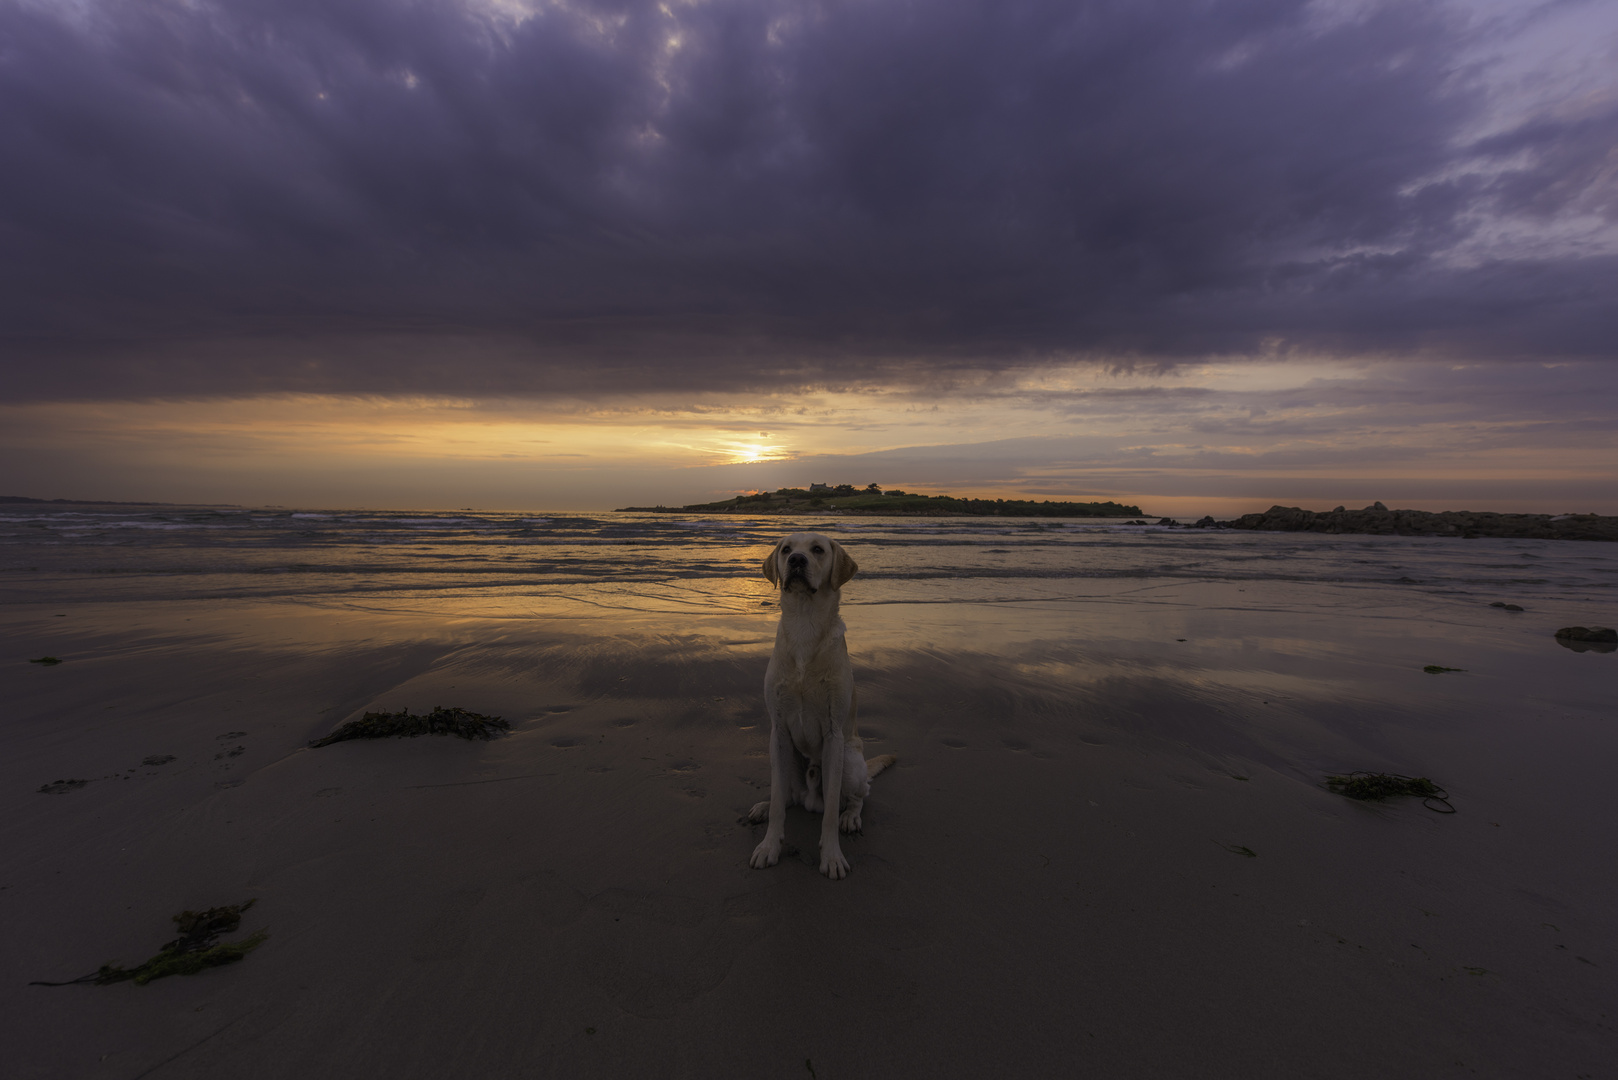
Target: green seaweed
pixel 1242 850
pixel 196 949
pixel 1438 669
pixel 182 963
pixel 402 724
pixel 1370 786
pixel 48 661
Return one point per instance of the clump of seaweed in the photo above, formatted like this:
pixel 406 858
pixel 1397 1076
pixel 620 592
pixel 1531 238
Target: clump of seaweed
pixel 48 661
pixel 62 787
pixel 1439 669
pixel 196 949
pixel 441 721
pixel 1378 786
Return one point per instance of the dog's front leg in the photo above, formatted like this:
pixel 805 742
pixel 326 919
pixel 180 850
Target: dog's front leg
pixel 768 852
pixel 832 863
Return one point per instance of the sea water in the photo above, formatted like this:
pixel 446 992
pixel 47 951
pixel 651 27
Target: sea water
pixel 639 561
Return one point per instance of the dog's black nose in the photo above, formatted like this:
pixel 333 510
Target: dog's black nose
pixel 797 558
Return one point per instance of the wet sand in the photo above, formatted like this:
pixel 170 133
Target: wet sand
pixel 1054 880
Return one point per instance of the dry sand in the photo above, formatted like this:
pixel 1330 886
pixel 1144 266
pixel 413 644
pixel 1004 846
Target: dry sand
pixel 1052 881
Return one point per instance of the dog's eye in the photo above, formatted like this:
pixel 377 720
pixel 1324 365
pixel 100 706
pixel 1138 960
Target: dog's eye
pixel 818 550
pixel 786 549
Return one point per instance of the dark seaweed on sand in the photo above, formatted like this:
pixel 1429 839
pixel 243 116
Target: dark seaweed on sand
pixel 441 721
pixel 196 949
pixel 1378 786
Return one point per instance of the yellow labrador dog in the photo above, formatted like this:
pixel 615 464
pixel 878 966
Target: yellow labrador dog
pixel 809 695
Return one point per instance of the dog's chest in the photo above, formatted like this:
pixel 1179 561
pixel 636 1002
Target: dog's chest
pixel 808 695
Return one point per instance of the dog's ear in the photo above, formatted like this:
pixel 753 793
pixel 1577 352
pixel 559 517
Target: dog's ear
pixel 771 571
pixel 843 566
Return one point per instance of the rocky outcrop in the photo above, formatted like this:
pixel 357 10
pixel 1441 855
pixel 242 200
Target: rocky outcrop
pixel 1597 639
pixel 1463 523
pixel 1601 635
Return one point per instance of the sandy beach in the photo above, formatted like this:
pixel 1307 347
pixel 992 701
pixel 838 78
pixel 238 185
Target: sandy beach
pixel 1055 880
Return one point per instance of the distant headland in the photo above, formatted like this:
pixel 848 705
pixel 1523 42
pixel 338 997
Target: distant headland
pixel 871 499
pixel 23 499
pixel 1467 524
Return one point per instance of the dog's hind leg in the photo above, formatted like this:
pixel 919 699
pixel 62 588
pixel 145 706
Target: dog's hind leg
pixel 857 774
pixel 800 792
pixel 856 786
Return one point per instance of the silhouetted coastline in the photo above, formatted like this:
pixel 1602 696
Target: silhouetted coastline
pixel 1379 520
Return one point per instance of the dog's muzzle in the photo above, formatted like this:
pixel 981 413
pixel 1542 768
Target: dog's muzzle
pixel 798 570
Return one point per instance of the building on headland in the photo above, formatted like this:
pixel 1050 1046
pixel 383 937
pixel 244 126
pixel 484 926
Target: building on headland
pixel 819 487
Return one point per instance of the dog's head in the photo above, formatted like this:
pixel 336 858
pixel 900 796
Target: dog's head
pixel 810 562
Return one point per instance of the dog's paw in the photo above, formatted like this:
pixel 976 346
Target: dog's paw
pixel 768 853
pixel 849 821
pixel 760 812
pixel 832 863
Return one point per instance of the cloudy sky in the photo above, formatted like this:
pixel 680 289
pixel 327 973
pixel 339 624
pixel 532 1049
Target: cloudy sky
pixel 1204 255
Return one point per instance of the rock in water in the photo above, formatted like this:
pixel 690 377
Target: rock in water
pixel 1598 639
pixel 1596 634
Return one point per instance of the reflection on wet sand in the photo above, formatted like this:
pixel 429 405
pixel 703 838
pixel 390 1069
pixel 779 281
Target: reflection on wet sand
pixel 1108 834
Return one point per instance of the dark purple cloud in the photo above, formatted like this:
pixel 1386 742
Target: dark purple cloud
pixel 380 195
